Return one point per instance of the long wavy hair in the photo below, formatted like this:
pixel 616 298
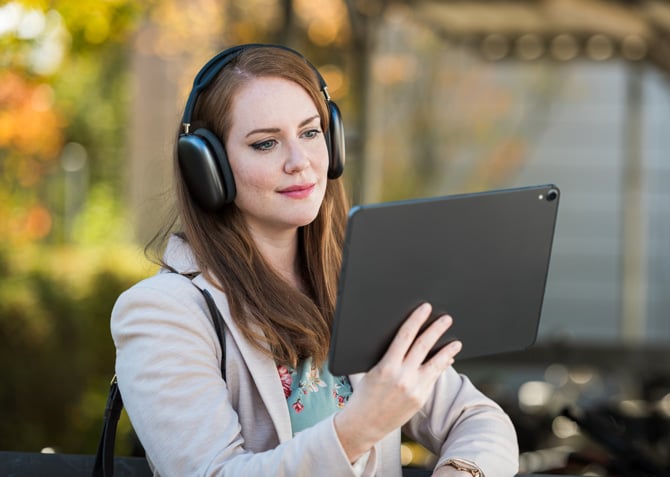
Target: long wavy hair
pixel 282 321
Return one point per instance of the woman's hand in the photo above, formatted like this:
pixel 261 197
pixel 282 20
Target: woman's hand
pixel 396 388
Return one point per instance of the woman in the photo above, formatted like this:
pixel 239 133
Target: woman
pixel 264 237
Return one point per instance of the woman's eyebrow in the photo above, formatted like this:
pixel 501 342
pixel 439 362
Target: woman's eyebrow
pixel 276 130
pixel 309 120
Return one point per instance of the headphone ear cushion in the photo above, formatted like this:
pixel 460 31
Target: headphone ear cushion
pixel 335 140
pixel 204 166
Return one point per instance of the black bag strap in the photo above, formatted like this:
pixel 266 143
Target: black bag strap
pixel 219 326
pixel 104 458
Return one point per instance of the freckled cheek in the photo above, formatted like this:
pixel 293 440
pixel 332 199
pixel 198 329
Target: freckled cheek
pixel 252 184
pixel 319 154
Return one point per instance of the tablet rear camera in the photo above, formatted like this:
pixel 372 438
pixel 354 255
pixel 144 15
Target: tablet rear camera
pixel 552 195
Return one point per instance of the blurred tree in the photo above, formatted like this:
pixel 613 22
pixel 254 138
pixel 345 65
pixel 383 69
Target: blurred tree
pixel 61 81
pixel 62 117
pixel 31 137
pixel 56 353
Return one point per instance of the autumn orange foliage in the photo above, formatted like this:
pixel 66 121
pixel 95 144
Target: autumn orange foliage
pixel 31 137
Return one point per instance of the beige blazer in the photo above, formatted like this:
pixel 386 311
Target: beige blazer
pixel 192 423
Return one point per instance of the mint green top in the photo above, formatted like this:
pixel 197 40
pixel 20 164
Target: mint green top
pixel 312 393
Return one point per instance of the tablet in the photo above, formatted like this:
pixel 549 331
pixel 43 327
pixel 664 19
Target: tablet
pixel 483 258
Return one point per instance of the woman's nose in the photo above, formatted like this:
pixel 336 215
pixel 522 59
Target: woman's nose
pixel 297 159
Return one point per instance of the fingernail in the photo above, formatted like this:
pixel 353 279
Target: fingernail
pixel 446 319
pixel 455 346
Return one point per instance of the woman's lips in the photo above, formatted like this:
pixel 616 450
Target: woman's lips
pixel 298 191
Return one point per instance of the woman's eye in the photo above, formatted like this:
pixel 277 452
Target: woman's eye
pixel 312 133
pixel 264 145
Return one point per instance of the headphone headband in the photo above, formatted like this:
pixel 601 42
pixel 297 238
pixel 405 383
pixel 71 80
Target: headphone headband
pixel 209 71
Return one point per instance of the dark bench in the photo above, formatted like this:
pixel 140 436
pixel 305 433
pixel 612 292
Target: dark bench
pixel 33 464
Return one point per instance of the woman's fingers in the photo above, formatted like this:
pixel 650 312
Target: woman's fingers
pixel 411 346
pixel 425 342
pixel 407 334
pixel 445 356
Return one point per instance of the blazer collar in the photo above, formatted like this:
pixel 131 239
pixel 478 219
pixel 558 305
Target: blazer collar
pixel 179 256
pixel 262 368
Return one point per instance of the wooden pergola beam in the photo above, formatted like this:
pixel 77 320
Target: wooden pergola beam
pixel 637 29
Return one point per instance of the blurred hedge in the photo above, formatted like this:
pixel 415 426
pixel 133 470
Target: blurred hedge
pixel 56 351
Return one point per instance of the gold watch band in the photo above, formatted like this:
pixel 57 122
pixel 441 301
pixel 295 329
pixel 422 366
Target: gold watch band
pixel 465 466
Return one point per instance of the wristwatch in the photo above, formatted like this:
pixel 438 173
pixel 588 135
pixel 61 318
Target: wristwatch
pixel 465 466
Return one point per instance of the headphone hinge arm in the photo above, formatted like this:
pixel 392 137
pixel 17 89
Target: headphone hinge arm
pixel 186 126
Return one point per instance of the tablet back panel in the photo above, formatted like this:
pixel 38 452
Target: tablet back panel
pixel 483 258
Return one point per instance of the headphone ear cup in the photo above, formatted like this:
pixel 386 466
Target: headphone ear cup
pixel 335 141
pixel 204 166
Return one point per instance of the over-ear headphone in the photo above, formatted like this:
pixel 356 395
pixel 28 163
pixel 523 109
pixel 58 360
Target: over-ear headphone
pixel 202 155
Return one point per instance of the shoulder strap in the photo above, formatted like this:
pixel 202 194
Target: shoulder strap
pixel 219 326
pixel 104 458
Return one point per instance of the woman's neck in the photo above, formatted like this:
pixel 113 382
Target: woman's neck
pixel 281 253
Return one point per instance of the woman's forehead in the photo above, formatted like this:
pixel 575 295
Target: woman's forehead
pixel 266 99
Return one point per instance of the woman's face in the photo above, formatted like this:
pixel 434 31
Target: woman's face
pixel 278 155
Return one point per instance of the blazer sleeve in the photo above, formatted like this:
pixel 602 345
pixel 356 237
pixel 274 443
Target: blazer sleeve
pixel 168 369
pixel 460 421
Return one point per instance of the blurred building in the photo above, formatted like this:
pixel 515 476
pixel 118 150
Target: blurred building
pixel 473 95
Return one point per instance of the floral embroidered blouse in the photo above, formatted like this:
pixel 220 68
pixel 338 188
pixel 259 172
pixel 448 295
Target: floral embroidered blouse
pixel 312 393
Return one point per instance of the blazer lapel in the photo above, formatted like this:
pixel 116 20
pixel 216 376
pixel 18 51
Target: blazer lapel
pixel 262 369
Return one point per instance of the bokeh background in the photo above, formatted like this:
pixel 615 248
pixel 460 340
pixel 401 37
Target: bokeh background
pixel 438 97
